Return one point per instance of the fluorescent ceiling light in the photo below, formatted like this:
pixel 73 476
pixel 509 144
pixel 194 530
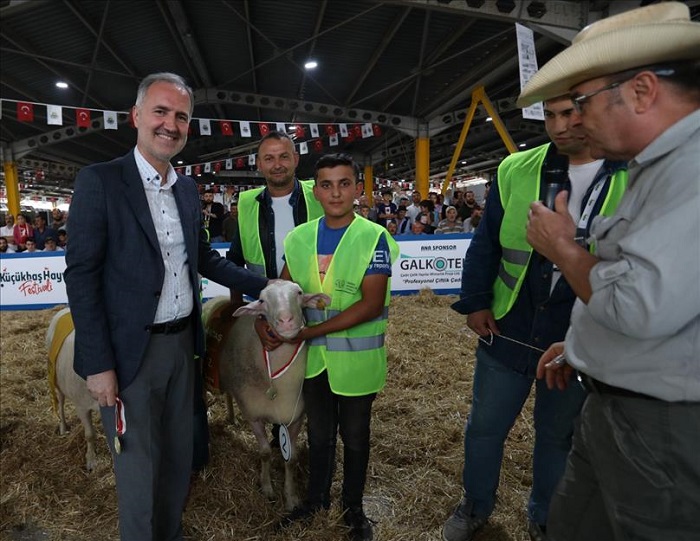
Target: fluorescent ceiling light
pixel 489 119
pixel 61 84
pixel 311 64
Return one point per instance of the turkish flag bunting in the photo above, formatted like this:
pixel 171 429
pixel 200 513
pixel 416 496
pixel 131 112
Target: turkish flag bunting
pixel 351 137
pixel 82 118
pixel 264 129
pixel 330 129
pixel 318 145
pixel 217 166
pixel 25 111
pixel 357 130
pixel 377 130
pixel 197 169
pixel 240 163
pixel 178 170
pixel 226 128
pixel 299 129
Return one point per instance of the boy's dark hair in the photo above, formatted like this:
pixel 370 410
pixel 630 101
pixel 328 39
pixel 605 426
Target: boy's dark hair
pixel 334 160
pixel 427 203
pixel 387 192
pixel 400 208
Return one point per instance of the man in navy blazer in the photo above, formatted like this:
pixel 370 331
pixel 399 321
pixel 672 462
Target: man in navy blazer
pixel 135 250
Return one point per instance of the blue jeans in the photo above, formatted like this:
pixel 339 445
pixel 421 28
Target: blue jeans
pixel 498 397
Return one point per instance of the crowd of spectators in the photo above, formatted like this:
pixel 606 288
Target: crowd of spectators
pixel 457 212
pixel 26 234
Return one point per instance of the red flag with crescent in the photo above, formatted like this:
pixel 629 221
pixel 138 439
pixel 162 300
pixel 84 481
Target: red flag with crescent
pixel 318 145
pixel 330 129
pixel 240 163
pixel 264 129
pixel 226 128
pixel 25 111
pixel 299 130
pixel 351 136
pixel 82 118
pixel 197 169
pixel 377 130
pixel 357 130
pixel 217 166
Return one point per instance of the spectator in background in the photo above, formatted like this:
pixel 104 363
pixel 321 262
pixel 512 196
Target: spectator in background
pixel 41 232
pixel 413 209
pixel 62 238
pixel 30 246
pixel 372 214
pixel 50 245
pixel 8 229
pixel 470 224
pixel 426 216
pixel 468 206
pixel 403 222
pixel 392 227
pixel 213 216
pixel 364 211
pixel 5 247
pixel 229 225
pixel 21 232
pixel 58 219
pixel 229 196
pixel 451 224
pixel 417 228
pixel 386 210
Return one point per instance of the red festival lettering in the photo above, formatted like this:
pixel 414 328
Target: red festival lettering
pixel 33 288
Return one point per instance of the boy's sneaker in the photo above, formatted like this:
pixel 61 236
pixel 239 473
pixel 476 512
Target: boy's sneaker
pixel 537 532
pixel 359 524
pixel 462 525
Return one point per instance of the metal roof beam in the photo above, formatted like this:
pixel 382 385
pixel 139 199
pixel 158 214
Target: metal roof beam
pixel 379 51
pixel 354 115
pixel 559 13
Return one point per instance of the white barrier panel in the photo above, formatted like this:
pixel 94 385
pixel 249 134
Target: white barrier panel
pixel 35 281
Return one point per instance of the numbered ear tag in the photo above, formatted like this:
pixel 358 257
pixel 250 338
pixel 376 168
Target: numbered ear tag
pixel 271 392
pixel 285 443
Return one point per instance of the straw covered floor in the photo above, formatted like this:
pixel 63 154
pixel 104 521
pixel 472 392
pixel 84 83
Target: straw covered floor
pixel 414 479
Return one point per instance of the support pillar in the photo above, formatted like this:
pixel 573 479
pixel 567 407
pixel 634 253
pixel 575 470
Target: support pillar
pixel 11 186
pixel 369 183
pixel 423 162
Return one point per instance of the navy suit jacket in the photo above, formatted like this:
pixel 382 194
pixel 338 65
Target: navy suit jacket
pixel 114 268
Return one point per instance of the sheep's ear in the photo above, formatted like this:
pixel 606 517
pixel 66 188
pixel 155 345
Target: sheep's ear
pixel 251 309
pixel 315 300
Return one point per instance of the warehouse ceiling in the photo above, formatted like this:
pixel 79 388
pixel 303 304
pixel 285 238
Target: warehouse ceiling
pixel 407 67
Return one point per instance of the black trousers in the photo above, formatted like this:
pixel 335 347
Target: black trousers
pixel 326 413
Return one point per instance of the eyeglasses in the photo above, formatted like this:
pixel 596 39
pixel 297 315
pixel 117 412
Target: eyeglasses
pixel 579 101
pixel 582 99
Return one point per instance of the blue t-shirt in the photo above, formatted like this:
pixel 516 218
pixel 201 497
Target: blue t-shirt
pixel 328 240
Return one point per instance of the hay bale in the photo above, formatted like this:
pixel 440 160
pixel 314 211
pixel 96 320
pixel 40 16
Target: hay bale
pixel 414 478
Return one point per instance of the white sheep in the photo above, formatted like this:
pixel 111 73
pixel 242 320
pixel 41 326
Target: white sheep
pixel 71 385
pixel 245 374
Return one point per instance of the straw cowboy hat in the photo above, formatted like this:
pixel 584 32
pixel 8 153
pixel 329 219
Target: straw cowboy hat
pixel 640 37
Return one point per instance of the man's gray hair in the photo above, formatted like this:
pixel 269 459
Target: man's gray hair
pixel 163 77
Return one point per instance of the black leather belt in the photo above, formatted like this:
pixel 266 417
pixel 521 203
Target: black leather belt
pixel 593 385
pixel 170 327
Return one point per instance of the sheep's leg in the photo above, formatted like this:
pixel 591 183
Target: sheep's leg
pixel 265 453
pixel 291 496
pixel 62 426
pixel 85 416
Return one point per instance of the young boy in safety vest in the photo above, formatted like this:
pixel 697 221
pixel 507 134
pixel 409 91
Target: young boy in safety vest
pixel 349 259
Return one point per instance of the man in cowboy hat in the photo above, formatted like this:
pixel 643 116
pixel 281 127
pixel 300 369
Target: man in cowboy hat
pixel 633 471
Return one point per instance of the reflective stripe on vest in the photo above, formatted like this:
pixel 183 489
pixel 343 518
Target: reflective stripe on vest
pixel 313 315
pixel 361 343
